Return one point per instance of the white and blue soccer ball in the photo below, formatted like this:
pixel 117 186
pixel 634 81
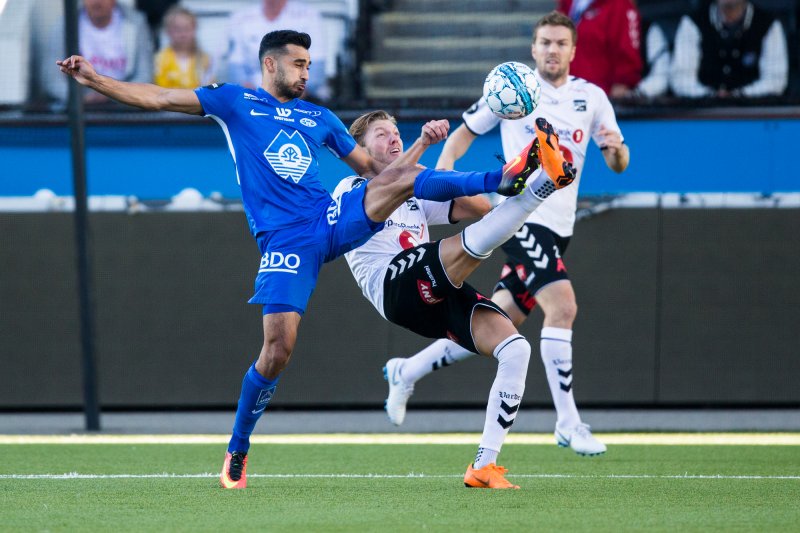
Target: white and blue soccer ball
pixel 511 90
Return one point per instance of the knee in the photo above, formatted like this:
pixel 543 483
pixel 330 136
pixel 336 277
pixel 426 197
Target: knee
pixel 274 357
pixel 563 314
pixel 516 352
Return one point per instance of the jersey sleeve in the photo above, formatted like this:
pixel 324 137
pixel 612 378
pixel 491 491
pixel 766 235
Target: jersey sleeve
pixel 436 212
pixel 339 141
pixel 479 119
pixel 345 186
pixel 604 116
pixel 217 99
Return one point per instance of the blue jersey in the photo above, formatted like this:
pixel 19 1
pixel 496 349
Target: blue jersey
pixel 274 147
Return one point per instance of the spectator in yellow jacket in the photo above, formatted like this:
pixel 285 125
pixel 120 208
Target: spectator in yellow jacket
pixel 182 64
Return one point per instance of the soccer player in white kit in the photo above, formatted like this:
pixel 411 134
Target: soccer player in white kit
pixel 535 271
pixel 420 285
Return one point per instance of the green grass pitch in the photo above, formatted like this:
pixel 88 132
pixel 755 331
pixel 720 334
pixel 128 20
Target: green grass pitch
pixel 398 487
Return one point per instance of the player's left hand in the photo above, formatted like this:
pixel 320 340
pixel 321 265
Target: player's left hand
pixel 610 141
pixel 434 131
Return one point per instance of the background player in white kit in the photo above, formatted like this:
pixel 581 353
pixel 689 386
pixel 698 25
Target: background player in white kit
pixel 421 286
pixel 535 271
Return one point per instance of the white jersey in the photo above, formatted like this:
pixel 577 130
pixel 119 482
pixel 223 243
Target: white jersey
pixel 576 110
pixel 405 228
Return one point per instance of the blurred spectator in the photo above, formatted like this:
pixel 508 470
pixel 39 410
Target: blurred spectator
pixel 656 61
pixel 609 39
pixel 729 48
pixel 248 25
pixel 154 10
pixel 114 38
pixel 181 64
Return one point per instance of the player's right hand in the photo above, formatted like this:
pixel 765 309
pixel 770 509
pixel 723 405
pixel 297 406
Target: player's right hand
pixel 435 131
pixel 77 67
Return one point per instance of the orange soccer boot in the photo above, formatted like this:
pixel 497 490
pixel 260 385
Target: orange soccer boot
pixel 490 476
pixel 517 171
pixel 234 471
pixel 561 172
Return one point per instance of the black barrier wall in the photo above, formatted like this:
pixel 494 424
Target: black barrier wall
pixel 690 307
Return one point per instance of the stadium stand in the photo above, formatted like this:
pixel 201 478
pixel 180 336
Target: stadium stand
pixel 442 49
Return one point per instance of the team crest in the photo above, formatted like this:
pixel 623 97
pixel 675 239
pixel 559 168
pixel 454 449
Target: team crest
pixel 289 155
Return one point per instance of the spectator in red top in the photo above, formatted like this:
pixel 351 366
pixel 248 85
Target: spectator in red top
pixel 609 37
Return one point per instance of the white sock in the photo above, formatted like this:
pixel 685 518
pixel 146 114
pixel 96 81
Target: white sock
pixel 480 238
pixel 484 457
pixel 556 348
pixel 505 396
pixel 439 354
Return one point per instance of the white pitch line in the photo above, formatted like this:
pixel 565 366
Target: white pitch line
pixel 667 439
pixel 412 475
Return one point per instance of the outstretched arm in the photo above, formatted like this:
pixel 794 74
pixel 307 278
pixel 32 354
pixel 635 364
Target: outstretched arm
pixel 142 95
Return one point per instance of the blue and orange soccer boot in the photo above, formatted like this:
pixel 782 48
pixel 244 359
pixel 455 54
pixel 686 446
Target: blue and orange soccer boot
pixel 561 172
pixel 490 476
pixel 234 471
pixel 517 171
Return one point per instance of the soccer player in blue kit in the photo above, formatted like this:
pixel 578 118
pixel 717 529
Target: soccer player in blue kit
pixel 273 137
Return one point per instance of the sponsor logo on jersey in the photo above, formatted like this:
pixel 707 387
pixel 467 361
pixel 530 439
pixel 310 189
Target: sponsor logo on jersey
pixel 334 210
pixel 308 112
pixel 214 86
pixel 307 122
pixel 279 262
pixel 283 114
pixel 426 293
pixel 403 226
pixel 407 240
pixel 289 155
pixel 579 105
pixel 248 96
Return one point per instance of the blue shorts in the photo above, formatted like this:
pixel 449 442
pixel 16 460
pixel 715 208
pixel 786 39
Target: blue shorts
pixel 291 257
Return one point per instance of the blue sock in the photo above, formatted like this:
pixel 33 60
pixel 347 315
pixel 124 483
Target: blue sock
pixel 256 393
pixel 442 185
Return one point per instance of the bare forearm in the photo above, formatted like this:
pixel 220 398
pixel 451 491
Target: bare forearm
pixel 617 160
pixel 146 95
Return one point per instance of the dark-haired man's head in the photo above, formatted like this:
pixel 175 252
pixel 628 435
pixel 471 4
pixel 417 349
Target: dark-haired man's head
pixel 285 61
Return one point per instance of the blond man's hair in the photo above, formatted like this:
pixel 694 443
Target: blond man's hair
pixel 359 127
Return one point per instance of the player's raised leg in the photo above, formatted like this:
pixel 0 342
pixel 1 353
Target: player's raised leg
pixel 393 186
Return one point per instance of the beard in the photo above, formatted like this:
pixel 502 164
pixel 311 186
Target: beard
pixel 553 75
pixel 284 88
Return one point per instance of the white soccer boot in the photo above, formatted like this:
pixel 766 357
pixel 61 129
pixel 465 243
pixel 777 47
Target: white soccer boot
pixel 399 391
pixel 580 439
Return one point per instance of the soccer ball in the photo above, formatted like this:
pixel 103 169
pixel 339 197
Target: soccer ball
pixel 511 90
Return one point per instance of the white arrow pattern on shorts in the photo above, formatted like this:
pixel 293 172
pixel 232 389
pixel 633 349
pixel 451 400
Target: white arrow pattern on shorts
pixel 535 253
pixel 412 258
